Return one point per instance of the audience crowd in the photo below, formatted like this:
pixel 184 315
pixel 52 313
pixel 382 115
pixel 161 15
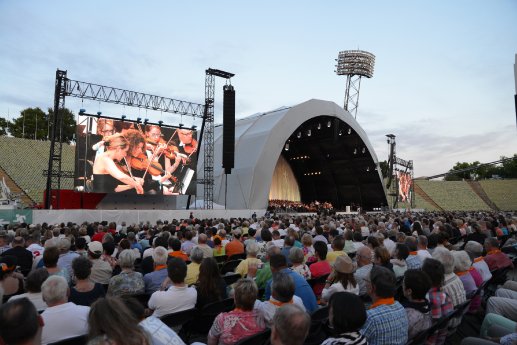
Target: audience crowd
pixel 382 278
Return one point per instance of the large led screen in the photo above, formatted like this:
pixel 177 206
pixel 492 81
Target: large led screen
pixel 133 158
pixel 405 182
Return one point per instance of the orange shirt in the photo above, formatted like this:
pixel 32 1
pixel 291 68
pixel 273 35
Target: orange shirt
pixel 234 247
pixel 179 254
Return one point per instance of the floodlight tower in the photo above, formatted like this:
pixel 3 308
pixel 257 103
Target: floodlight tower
pixel 354 64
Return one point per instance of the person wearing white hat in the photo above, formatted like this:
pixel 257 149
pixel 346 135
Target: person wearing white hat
pixel 341 278
pixel 101 270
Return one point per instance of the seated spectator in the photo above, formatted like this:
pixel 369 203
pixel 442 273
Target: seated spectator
pixel 80 247
pixel 235 246
pixel 66 256
pixel 50 259
pixel 175 245
pixel 475 251
pixel 296 256
pixel 33 287
pixel 290 325
pixel 338 245
pixel 341 279
pixel 386 321
pixel 154 327
pixel 477 235
pixel 264 274
pixel 85 292
pixel 415 286
pixel 399 261
pixel 112 323
pixel 179 296
pixel 210 286
pixel 288 244
pixel 11 282
pixel 251 259
pixel 154 280
pixel 187 244
pixel 302 288
pixel 495 258
pixel 413 261
pixel 452 285
pixel 218 247
pixel 282 293
pixel 108 250
pixel 193 268
pixel 504 303
pixel 62 319
pixel 321 267
pixel 308 249
pixel 492 320
pixel 468 275
pixel 346 326
pixel 243 321
pixel 202 244
pixel 364 266
pixel 440 302
pixel 20 323
pixel 381 257
pixel 101 270
pixel 128 282
pixel 23 256
pixel 422 251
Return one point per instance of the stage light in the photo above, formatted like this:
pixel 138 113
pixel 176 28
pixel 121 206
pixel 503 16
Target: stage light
pixel 340 132
pixel 319 125
pixel 363 150
pixel 349 130
pixel 329 124
pixel 309 132
pixel 138 119
pixel 146 121
pixel 99 113
pixel 286 147
pixel 181 125
pixel 299 135
pixel 123 117
pixel 82 111
pixel 160 123
pixel 367 168
pixel 355 151
pixel 193 127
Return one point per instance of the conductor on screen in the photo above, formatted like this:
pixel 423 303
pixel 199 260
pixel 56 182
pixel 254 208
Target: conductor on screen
pixel 110 170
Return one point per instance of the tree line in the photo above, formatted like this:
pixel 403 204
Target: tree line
pixel 34 123
pixel 506 169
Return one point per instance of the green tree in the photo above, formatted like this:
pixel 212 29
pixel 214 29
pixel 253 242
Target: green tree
pixel 509 168
pixel 31 124
pixel 454 175
pixel 69 123
pixel 3 126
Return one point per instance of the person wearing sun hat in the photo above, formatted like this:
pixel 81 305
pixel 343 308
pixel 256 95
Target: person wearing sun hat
pixel 341 278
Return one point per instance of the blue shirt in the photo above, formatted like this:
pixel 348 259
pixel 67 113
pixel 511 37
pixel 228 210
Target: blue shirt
pixel 386 324
pixel 413 262
pixel 154 280
pixel 302 290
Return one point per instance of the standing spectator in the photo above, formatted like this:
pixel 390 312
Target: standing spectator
pixel 179 296
pixel 101 270
pixel 415 286
pixel 290 325
pixel 85 292
pixel 243 321
pixel 346 326
pixel 33 286
pixel 23 256
pixel 341 279
pixel 386 321
pixel 62 319
pixel 128 282
pixel 154 280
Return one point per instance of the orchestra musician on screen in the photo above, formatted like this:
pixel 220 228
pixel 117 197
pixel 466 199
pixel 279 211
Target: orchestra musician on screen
pixel 140 160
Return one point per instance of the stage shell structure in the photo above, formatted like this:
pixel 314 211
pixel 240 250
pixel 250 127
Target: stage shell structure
pixel 317 147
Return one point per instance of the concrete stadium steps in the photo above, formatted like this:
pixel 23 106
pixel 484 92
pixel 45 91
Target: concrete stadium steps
pixel 453 195
pixel 502 192
pixel 24 161
pixel 476 187
pixel 15 189
pixel 422 200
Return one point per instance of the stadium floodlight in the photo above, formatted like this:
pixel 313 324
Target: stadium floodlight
pixel 123 117
pixel 82 111
pixel 354 64
pixel 99 113
pixel 160 123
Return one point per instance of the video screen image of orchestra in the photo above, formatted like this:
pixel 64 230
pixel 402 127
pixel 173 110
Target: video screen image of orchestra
pixel 128 157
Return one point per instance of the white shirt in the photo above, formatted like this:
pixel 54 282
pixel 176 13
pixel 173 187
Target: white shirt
pixel 482 267
pixel 338 287
pixel 173 300
pixel 35 298
pixel 423 254
pixel 389 245
pixel 268 309
pixel 148 252
pixel 358 245
pixel 64 321
pixel 278 243
pixel 36 249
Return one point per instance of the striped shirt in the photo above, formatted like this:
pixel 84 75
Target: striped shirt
pixel 350 338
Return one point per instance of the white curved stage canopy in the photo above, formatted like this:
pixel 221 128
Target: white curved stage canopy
pixel 329 155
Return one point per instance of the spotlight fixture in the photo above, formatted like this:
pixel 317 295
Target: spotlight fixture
pixel 99 113
pixel 146 121
pixel 349 130
pixel 138 119
pixel 193 127
pixel 309 132
pixel 181 125
pixel 123 117
pixel 363 150
pixel 355 151
pixel 82 111
pixel 286 147
pixel 319 125
pixel 299 135
pixel 160 123
pixel 340 132
pixel 367 168
pixel 329 124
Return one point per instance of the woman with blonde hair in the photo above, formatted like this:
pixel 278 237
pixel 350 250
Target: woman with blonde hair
pixel 107 176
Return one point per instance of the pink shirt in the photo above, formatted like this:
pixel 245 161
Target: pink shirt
pixel 231 327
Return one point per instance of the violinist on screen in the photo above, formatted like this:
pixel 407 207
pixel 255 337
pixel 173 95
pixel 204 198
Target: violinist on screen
pixel 110 171
pixel 105 128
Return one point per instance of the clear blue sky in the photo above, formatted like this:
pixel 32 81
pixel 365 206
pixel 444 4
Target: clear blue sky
pixel 443 80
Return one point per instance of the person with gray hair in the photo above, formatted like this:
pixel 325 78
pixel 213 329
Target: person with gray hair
pixel 128 282
pixel 66 256
pixel 202 239
pixel 452 285
pixel 296 257
pixel 62 319
pixel 471 279
pixel 251 260
pixel 196 256
pixel 475 250
pixel 282 293
pixel 263 274
pixel 290 325
pixel 154 280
